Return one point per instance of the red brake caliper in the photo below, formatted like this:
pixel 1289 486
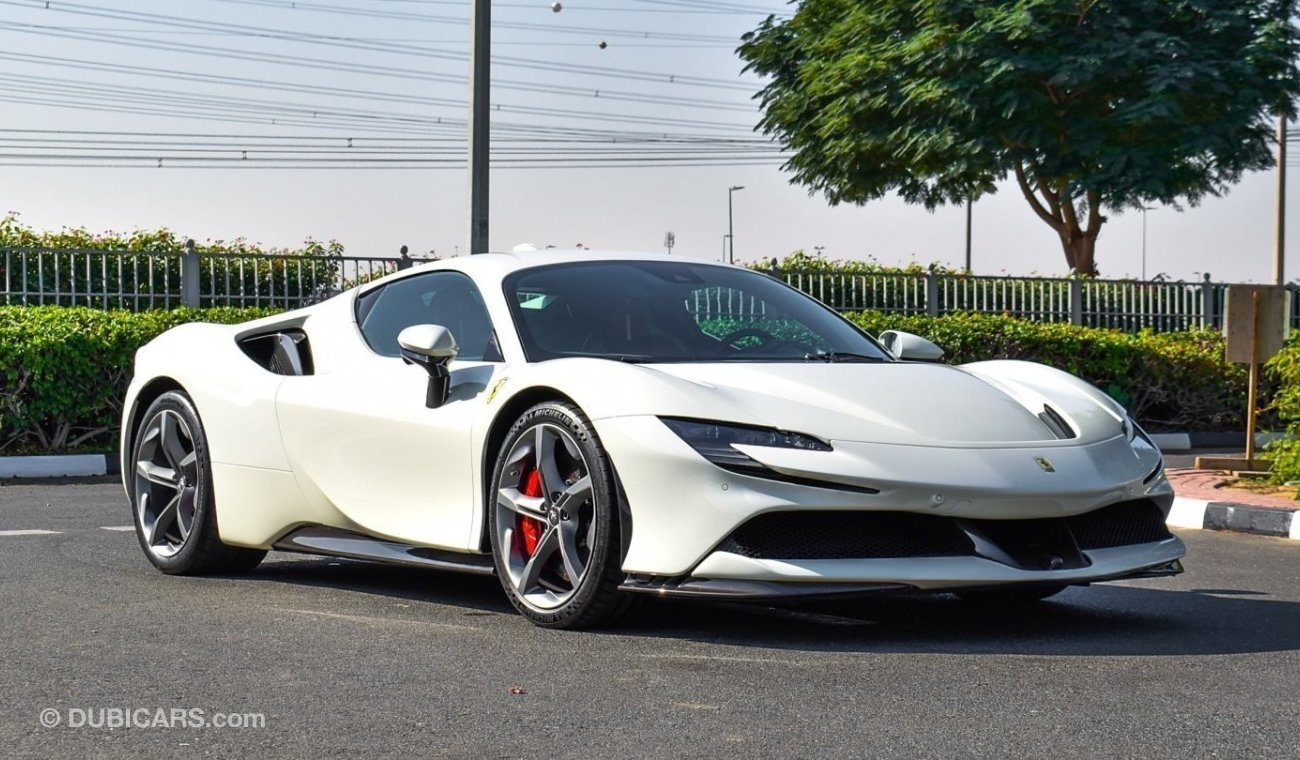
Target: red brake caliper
pixel 527 530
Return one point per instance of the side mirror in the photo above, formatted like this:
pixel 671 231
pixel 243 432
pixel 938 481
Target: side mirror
pixel 431 347
pixel 905 345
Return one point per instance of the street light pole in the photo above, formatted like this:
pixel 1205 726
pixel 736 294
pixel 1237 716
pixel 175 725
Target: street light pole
pixel 731 232
pixel 968 220
pixel 1279 242
pixel 1145 209
pixel 480 91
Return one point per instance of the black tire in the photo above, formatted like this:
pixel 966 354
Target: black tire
pixel 1014 595
pixel 169 462
pixel 589 515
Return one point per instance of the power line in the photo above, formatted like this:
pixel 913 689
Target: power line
pixel 165 73
pixel 121 94
pixel 361 68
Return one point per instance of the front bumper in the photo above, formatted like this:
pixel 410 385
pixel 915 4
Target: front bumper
pixel 683 508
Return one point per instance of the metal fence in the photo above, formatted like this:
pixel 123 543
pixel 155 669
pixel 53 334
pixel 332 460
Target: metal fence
pixel 138 280
pixel 1117 304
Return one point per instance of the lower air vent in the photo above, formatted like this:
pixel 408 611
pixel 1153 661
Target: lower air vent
pixel 1124 524
pixel 892 535
pixel 847 535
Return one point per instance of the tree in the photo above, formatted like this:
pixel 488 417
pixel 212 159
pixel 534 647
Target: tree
pixel 1089 104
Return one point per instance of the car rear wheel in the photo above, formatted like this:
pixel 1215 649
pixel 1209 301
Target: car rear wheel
pixel 1009 596
pixel 171 494
pixel 554 522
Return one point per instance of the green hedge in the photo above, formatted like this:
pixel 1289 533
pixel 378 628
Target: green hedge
pixel 1168 381
pixel 64 371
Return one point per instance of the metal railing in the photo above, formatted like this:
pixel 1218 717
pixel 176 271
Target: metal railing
pixel 137 280
pixel 1116 304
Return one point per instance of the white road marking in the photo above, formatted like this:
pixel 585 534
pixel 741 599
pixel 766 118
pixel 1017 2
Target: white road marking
pixel 119 528
pixel 28 532
pixel 377 620
pixel 722 658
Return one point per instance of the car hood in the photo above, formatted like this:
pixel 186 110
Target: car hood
pixel 910 403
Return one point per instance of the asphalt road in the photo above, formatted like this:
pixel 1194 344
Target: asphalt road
pixel 345 659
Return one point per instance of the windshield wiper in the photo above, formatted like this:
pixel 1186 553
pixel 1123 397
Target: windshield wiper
pixel 840 356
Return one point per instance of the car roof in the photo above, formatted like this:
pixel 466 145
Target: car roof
pixel 501 264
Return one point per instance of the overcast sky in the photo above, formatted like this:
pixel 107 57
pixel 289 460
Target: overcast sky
pixel 235 74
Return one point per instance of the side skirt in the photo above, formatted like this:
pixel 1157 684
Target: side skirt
pixel 341 543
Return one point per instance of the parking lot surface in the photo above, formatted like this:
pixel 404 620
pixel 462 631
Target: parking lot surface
pixel 345 659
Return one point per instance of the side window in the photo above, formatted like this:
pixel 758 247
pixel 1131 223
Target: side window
pixel 449 299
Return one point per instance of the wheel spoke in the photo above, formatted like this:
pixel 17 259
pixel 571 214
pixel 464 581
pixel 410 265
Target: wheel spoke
pixel 158 475
pixel 575 494
pixel 573 565
pixel 528 506
pixel 185 511
pixel 164 522
pixel 533 569
pixel 172 446
pixel 544 441
pixel 188 465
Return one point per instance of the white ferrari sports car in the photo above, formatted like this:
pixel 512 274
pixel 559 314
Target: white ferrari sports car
pixel 598 428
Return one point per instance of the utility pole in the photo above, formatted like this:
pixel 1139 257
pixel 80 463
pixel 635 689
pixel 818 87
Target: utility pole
pixel 670 240
pixel 480 93
pixel 731 232
pixel 968 219
pixel 1279 253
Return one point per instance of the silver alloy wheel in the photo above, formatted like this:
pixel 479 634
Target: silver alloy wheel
pixel 166 483
pixel 559 502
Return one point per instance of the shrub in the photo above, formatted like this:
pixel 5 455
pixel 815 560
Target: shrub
pixel 64 371
pixel 1284 370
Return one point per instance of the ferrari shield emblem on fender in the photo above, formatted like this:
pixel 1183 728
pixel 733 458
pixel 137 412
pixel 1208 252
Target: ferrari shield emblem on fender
pixel 492 392
pixel 1046 465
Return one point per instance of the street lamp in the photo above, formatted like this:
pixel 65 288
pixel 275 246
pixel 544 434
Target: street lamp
pixel 1145 209
pixel 731 231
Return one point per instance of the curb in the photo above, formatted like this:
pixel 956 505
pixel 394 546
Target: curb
pixel 60 466
pixel 1216 515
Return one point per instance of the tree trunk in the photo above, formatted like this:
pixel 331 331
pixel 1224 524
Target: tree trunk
pixel 1057 208
pixel 1080 250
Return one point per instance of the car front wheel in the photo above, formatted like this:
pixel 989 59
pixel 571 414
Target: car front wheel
pixel 171 493
pixel 554 523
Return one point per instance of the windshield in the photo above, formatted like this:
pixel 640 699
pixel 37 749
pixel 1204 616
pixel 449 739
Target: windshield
pixel 664 311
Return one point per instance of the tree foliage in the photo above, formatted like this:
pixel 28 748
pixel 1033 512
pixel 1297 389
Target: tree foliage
pixel 1088 104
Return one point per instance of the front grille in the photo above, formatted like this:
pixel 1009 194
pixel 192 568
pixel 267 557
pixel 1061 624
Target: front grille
pixel 1123 524
pixel 894 535
pixel 847 535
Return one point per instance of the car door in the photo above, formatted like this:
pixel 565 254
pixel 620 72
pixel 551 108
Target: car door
pixel 361 436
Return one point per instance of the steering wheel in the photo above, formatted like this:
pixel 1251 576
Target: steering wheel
pixel 746 332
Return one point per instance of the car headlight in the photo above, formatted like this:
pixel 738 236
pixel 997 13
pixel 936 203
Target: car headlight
pixel 713 441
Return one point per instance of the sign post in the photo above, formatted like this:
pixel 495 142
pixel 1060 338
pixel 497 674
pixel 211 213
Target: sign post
pixel 1255 326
